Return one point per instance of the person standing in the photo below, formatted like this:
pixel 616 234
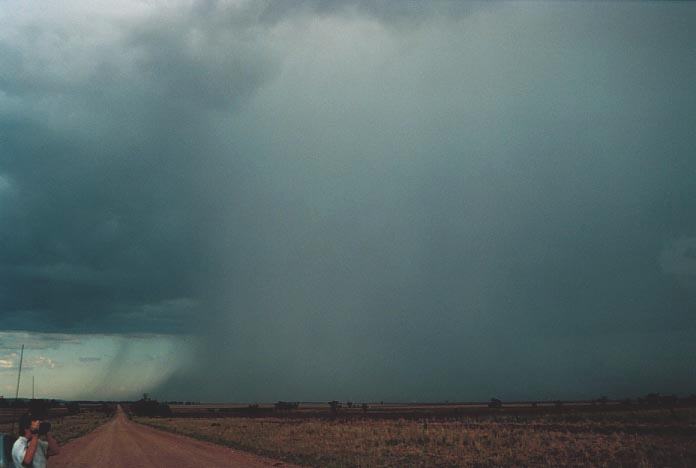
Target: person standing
pixel 31 449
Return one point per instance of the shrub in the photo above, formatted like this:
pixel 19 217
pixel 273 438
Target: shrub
pixel 73 407
pixel 287 405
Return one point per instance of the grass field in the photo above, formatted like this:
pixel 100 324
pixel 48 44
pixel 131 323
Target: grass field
pixel 645 437
pixel 66 428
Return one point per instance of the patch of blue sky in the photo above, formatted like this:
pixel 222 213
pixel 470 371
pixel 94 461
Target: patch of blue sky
pixel 69 366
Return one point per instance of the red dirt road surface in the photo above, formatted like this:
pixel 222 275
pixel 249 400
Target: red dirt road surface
pixel 123 443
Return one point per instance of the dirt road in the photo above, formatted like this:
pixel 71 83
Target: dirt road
pixel 122 443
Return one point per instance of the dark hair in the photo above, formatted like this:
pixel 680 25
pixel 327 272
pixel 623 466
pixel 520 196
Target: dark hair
pixel 24 423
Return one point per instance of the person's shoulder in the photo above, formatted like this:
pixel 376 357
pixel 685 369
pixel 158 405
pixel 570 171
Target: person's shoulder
pixel 20 442
pixel 18 448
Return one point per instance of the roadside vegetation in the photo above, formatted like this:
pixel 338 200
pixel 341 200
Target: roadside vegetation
pixel 655 437
pixel 71 427
pixel 68 420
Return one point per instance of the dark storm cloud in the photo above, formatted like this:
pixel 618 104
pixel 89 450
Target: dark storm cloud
pixel 339 208
pixel 104 163
pixel 491 210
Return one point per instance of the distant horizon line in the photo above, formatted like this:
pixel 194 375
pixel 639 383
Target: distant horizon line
pixel 381 402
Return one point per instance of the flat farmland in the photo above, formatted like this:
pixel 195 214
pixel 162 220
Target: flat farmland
pixel 612 436
pixel 9 415
pixel 389 410
pixel 64 426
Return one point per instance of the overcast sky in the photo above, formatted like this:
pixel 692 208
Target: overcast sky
pixel 309 200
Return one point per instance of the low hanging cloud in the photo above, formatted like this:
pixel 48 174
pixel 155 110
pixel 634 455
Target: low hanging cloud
pixel 89 359
pixel 41 361
pixel 7 362
pixel 354 199
pixel 36 341
pixel 11 362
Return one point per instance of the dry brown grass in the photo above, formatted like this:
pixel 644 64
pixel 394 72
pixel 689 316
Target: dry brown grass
pixel 656 438
pixel 70 427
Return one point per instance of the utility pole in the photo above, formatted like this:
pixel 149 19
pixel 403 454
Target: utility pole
pixel 32 387
pixel 19 373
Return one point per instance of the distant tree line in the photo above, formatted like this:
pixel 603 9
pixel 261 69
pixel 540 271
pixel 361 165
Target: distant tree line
pixel 146 406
